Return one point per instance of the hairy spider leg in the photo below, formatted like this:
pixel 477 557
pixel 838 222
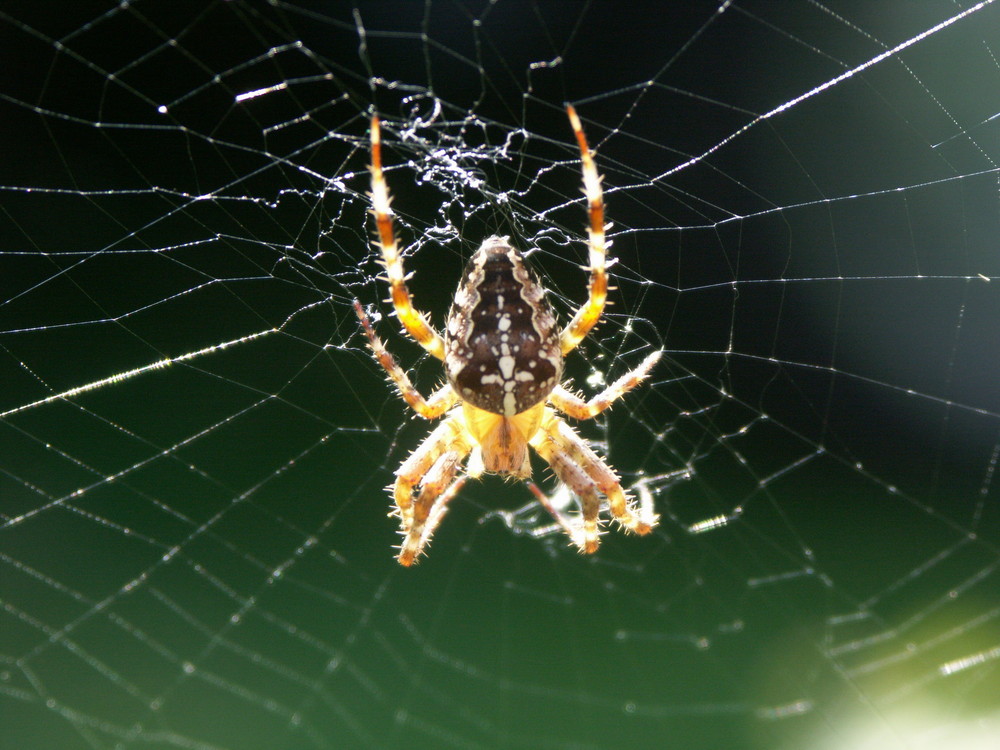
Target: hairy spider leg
pixel 585 473
pixel 414 321
pixel 590 312
pixel 432 466
pixel 430 408
pixel 438 511
pixel 572 405
pixel 438 481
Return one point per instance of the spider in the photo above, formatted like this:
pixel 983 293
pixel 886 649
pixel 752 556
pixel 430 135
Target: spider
pixel 503 357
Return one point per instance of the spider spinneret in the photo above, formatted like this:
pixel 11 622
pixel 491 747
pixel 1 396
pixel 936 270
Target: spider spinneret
pixel 503 356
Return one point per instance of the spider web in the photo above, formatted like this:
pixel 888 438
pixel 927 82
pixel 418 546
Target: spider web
pixel 194 546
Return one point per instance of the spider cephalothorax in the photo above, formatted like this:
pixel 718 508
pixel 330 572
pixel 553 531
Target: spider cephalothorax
pixel 503 355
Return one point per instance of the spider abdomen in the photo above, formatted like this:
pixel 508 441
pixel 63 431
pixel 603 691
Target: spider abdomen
pixel 502 348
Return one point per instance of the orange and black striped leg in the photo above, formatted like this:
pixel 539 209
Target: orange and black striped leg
pixel 590 312
pixel 414 321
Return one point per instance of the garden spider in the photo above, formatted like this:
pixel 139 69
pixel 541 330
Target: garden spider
pixel 503 356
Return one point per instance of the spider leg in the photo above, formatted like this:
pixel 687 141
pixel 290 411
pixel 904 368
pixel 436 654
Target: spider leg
pixel 413 320
pixel 590 312
pixel 426 468
pixel 439 508
pixel 571 404
pixel 431 408
pixel 584 534
pixel 584 472
pixel 437 488
pixel 573 528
